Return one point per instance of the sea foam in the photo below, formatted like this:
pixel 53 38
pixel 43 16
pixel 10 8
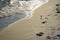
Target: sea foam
pixel 27 6
pixel 19 10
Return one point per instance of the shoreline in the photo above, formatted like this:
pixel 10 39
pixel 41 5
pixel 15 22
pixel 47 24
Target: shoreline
pixel 4 22
pixel 45 20
pixel 27 17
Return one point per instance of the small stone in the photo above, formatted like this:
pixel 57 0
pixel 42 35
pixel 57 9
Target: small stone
pixel 58 35
pixel 58 11
pixel 44 22
pixel 48 37
pixel 40 34
pixel 57 5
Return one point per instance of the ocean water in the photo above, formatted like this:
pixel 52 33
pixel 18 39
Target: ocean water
pixel 4 22
pixel 19 10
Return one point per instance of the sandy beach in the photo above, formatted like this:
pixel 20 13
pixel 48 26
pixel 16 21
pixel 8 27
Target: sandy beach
pixel 44 19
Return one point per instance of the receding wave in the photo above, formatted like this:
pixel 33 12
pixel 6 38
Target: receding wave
pixel 9 12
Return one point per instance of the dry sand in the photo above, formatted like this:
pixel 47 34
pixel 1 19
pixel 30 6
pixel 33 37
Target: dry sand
pixel 27 29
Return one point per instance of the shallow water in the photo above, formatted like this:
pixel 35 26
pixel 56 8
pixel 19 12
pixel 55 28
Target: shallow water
pixel 4 22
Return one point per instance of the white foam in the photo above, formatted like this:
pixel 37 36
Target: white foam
pixel 28 10
pixel 26 6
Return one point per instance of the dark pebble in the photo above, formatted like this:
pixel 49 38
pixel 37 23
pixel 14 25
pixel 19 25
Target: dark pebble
pixel 44 22
pixel 40 34
pixel 58 11
pixel 57 5
pixel 48 37
pixel 58 35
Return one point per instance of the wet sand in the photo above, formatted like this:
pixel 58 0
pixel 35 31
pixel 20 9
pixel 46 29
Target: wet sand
pixel 44 19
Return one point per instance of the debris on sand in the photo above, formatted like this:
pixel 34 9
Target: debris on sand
pixel 40 17
pixel 57 5
pixel 48 37
pixel 58 36
pixel 40 34
pixel 44 22
pixel 58 10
